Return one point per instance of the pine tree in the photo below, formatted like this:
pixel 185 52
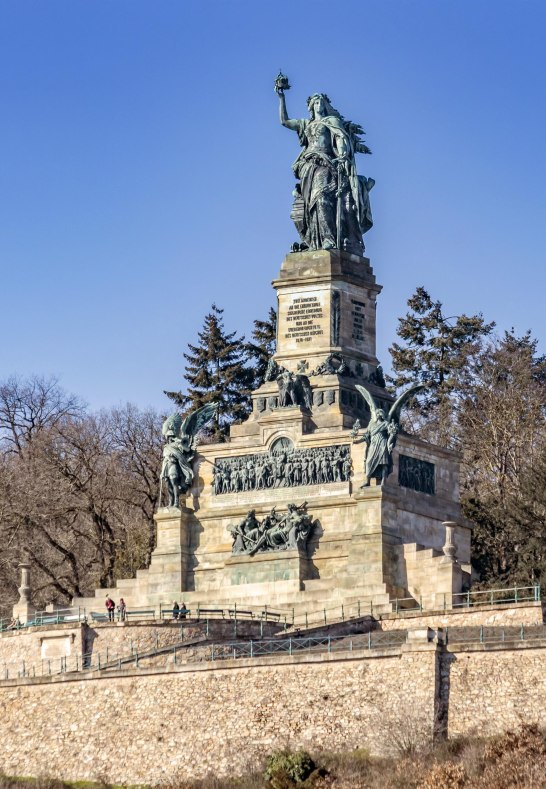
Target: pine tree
pixel 436 350
pixel 262 349
pixel 217 371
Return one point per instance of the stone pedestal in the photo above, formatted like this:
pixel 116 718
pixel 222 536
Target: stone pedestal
pixel 327 305
pixel 172 557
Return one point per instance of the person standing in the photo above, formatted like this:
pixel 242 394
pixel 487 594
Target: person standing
pixel 122 610
pixel 110 608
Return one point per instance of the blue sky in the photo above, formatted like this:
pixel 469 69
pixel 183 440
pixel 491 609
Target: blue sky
pixel 145 175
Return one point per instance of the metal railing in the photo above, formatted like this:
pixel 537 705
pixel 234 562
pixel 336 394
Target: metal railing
pixel 41 618
pixel 299 645
pixel 255 649
pixel 471 599
pixel 288 617
pixel 494 635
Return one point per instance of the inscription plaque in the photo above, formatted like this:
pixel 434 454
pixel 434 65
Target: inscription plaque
pixel 357 314
pixel 303 319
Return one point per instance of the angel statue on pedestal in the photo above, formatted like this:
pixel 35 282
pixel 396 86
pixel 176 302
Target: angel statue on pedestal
pixel 180 440
pixel 381 434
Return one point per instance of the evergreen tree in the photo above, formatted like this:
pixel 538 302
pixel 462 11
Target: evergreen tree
pixel 502 425
pixel 217 371
pixel 436 350
pixel 262 349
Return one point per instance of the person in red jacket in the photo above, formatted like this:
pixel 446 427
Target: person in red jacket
pixel 111 608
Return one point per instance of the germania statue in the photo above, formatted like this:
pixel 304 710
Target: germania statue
pixel 331 208
pixel 180 439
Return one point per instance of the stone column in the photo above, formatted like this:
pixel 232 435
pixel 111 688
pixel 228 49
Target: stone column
pixel 450 573
pixel 23 609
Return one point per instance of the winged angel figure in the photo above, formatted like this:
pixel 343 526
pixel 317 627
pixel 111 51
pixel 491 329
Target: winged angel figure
pixel 381 434
pixel 179 450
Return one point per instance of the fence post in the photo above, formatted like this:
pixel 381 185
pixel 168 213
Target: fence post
pixel 420 603
pixel 329 643
pixel 445 602
pixel 174 655
pixel 342 613
pixel 306 621
pixel 351 645
pixel 522 632
pixel 265 612
pixel 290 646
pixel 251 648
pixel 481 634
pixel 212 651
pixel 324 616
pixel 293 616
pixel 515 594
pixel 98 661
pixel 261 628
pixel 369 639
pixel 358 609
pixel 136 659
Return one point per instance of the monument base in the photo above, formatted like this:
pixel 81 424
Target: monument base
pixel 368 544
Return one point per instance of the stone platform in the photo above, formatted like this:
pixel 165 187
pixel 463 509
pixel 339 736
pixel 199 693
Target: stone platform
pixel 369 544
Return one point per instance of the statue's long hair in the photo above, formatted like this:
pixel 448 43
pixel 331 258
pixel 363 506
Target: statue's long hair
pixel 330 110
pixel 354 130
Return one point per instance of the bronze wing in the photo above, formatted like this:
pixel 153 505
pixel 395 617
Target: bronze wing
pixel 396 407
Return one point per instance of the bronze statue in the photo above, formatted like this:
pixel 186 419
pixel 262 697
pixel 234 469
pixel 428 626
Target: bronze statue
pixel 381 434
pixel 331 207
pixel 179 450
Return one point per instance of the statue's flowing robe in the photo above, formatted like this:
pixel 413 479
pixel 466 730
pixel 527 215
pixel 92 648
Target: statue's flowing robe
pixel 174 454
pixel 377 438
pixel 318 175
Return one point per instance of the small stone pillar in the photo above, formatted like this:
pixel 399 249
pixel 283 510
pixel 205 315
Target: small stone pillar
pixel 449 549
pixel 23 609
pixel 450 573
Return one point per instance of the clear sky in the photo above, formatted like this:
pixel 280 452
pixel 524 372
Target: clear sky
pixel 145 175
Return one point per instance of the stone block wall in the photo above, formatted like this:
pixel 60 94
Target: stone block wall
pixel 494 689
pixel 171 721
pixel 144 727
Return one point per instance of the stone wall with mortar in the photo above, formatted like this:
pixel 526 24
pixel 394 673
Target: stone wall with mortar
pixel 223 718
pixel 491 689
pixel 33 644
pixel 30 646
pixel 490 616
pixel 146 726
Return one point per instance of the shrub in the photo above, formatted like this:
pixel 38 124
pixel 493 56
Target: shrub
pixel 285 769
